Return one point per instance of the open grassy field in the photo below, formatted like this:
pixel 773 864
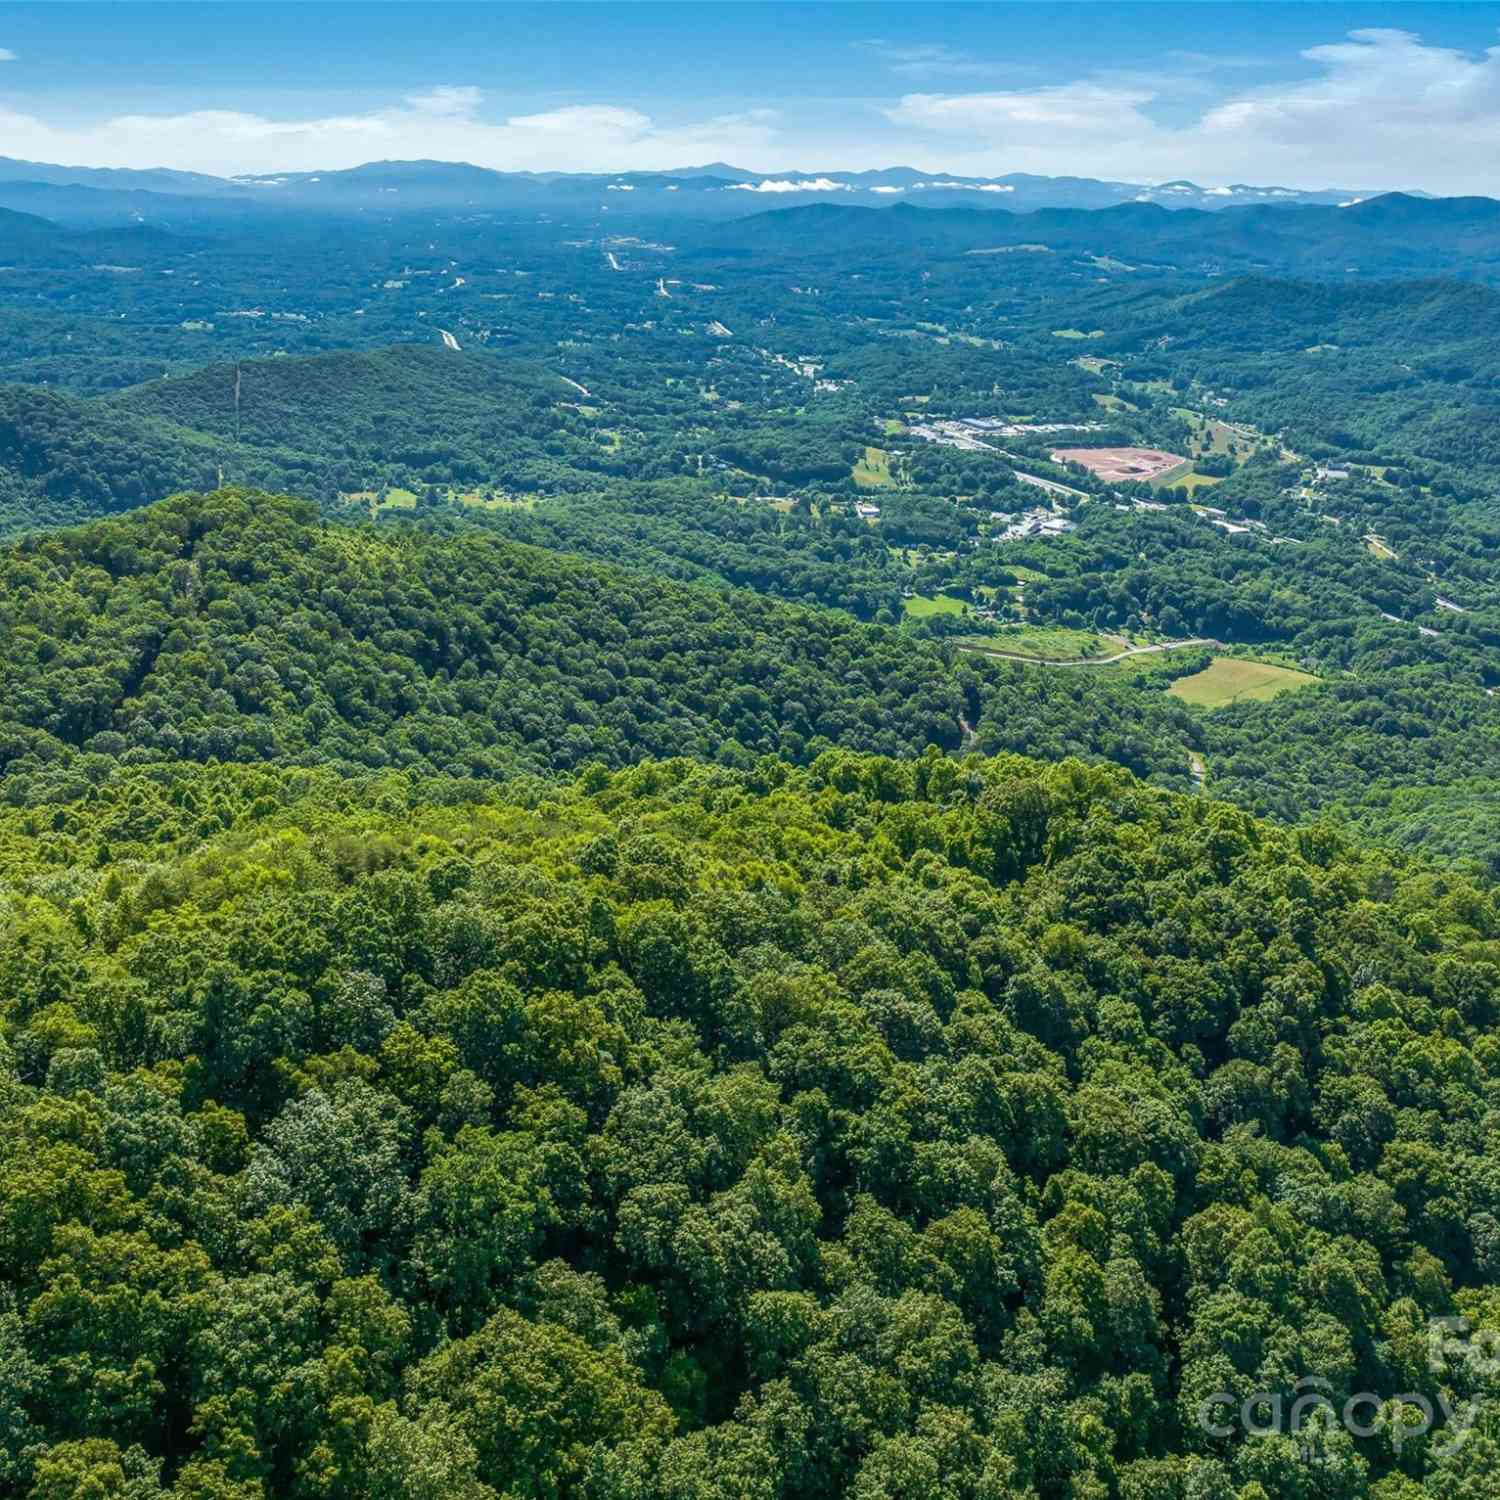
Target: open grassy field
pixel 873 471
pixel 1048 643
pixel 1190 481
pixel 397 498
pixel 1153 661
pixel 496 502
pixel 920 607
pixel 1219 437
pixel 1228 679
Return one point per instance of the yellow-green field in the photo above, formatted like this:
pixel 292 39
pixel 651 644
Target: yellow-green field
pixel 921 606
pixel 1048 643
pixel 397 498
pixel 1077 333
pixel 873 470
pixel 1192 481
pixel 1227 679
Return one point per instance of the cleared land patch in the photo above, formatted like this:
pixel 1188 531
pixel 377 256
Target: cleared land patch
pixel 920 606
pixel 1116 465
pixel 1047 643
pixel 874 469
pixel 1228 679
pixel 1190 481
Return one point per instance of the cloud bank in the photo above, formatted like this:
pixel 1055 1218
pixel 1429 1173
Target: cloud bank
pixel 1383 110
pixel 443 122
pixel 1378 109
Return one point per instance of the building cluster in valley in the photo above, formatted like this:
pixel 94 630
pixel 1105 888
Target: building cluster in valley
pixel 968 433
pixel 1038 522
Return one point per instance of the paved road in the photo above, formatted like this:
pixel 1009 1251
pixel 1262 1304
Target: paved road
pixel 1089 661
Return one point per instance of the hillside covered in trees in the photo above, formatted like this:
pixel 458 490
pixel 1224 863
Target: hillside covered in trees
pixel 889 1129
pixel 536 970
pixel 242 627
pixel 238 626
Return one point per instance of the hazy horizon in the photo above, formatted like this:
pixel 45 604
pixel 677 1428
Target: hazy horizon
pixel 1374 97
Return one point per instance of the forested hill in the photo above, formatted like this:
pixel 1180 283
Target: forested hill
pixel 405 401
pixel 239 626
pixel 883 1130
pixel 321 425
pixel 64 459
pixel 1419 318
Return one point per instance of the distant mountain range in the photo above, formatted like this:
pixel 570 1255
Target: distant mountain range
pixel 117 196
pixel 71 216
pixel 1394 235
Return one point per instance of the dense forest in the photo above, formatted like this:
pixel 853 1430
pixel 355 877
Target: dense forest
pixel 950 1128
pixel 241 627
pixel 238 626
pixel 609 889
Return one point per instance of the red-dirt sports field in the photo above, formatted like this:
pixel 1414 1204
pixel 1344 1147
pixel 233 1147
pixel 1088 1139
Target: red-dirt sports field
pixel 1117 464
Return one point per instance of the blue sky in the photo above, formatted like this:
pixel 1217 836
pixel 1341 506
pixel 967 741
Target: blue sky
pixel 1309 94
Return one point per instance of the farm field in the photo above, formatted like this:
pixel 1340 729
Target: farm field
pixel 1228 679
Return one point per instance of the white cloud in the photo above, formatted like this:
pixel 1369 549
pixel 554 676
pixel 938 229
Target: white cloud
pixel 787 185
pixel 1378 109
pixel 1067 117
pixel 6 55
pixel 447 99
pixel 1384 110
pixel 441 122
pixel 922 59
pixel 968 187
pixel 586 119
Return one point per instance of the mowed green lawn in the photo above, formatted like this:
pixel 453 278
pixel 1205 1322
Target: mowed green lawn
pixel 921 606
pixel 1227 679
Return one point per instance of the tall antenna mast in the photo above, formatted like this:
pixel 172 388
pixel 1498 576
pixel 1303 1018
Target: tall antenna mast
pixel 236 403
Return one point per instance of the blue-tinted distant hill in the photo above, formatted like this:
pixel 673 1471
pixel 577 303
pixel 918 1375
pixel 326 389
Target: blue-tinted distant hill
pixel 1389 236
pixel 715 191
